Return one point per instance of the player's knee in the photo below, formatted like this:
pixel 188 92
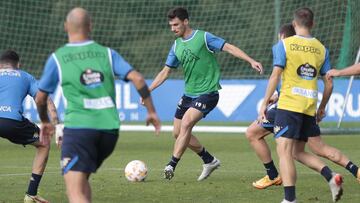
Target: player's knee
pixel 176 134
pixel 251 134
pixel 186 124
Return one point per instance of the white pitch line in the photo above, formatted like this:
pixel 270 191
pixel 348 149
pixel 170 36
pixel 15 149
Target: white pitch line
pixel 169 128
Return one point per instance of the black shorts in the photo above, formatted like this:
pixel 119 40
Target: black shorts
pixel 204 103
pixel 85 149
pixel 19 132
pixel 268 124
pixel 295 125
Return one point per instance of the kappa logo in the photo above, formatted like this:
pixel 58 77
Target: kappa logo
pixel 232 96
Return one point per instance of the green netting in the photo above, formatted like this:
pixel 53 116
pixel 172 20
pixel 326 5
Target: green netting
pixel 139 30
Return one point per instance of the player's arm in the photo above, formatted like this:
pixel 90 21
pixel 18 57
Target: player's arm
pixel 139 82
pixel 351 70
pixel 48 83
pixel 237 52
pixel 52 111
pixel 272 84
pixel 54 118
pixel 124 71
pixel 279 62
pixel 160 78
pixel 328 87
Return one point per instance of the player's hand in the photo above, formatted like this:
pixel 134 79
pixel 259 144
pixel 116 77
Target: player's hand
pixel 59 132
pixel 262 113
pixel 320 114
pixel 46 132
pixel 155 121
pixel 332 73
pixel 257 66
pixel 273 99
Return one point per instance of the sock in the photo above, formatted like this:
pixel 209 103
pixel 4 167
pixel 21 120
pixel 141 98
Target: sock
pixel 206 156
pixel 289 193
pixel 173 162
pixel 271 170
pixel 34 184
pixel 352 168
pixel 327 173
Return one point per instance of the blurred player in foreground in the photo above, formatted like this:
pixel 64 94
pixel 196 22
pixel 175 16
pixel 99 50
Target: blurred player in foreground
pixel 85 70
pixel 15 85
pixel 299 60
pixel 195 51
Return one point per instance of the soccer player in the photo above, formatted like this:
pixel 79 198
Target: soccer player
pixel 257 132
pixel 85 70
pixel 298 60
pixel 195 51
pixel 348 71
pixel 15 85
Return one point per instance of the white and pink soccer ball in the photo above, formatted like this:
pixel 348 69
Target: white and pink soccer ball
pixel 136 171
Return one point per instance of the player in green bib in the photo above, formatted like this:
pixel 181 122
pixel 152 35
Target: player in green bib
pixel 195 51
pixel 86 71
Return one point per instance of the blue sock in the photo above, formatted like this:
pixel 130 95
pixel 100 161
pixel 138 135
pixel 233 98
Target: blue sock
pixel 271 170
pixel 327 173
pixel 34 184
pixel 352 168
pixel 289 193
pixel 173 162
pixel 206 156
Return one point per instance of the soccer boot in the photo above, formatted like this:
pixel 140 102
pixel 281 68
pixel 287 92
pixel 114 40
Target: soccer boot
pixel 209 168
pixel 285 201
pixel 34 199
pixel 267 182
pixel 335 184
pixel 168 172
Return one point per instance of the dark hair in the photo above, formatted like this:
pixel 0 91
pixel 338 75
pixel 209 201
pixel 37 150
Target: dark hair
pixel 178 12
pixel 287 30
pixel 304 17
pixel 10 56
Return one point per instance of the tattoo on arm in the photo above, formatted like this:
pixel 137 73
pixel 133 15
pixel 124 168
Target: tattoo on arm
pixel 52 111
pixel 144 92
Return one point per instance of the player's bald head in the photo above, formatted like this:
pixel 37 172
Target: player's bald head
pixel 78 21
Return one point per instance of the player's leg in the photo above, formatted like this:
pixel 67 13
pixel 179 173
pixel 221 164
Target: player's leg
pixel 189 112
pixel 255 133
pixel 83 151
pixel 27 133
pixel 320 148
pixel 309 129
pixel 77 187
pixel 287 126
pixel 310 160
pixel 194 143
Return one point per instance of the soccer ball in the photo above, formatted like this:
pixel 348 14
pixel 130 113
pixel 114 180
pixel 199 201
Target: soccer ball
pixel 136 171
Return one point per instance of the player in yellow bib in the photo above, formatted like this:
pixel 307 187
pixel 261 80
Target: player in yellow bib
pixel 299 60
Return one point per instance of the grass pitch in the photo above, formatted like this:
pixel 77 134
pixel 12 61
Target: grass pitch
pixel 231 183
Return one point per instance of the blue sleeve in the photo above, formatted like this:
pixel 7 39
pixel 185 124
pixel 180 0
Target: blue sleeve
pixel 326 65
pixel 121 67
pixel 279 55
pixel 33 89
pixel 50 77
pixel 214 43
pixel 171 60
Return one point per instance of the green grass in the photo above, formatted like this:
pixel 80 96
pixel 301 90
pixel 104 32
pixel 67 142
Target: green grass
pixel 231 183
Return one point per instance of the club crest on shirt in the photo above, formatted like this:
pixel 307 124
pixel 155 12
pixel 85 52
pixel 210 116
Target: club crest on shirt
pixel 307 71
pixel 91 78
